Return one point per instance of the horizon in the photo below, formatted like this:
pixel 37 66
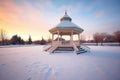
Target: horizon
pixel 35 18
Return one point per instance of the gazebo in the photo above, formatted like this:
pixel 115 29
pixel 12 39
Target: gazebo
pixel 65 27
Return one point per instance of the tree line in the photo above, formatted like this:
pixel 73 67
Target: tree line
pixel 15 39
pixel 104 37
pixel 97 38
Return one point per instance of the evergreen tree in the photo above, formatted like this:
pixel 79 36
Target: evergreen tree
pixel 43 42
pixel 29 40
pixel 16 40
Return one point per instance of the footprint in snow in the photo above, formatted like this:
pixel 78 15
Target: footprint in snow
pixel 2 65
pixel 52 73
pixel 49 75
pixel 29 78
pixel 40 71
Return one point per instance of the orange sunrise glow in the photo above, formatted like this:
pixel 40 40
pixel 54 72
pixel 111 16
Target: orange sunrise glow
pixel 35 18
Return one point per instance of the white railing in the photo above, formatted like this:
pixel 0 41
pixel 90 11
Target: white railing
pixel 52 48
pixel 65 43
pixel 75 48
pixel 46 47
pixel 76 43
pixel 54 42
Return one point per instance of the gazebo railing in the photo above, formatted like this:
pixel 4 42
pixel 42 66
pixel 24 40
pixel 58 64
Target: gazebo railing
pixel 76 43
pixel 75 47
pixel 61 43
pixel 47 47
pixel 65 43
pixel 52 48
pixel 54 42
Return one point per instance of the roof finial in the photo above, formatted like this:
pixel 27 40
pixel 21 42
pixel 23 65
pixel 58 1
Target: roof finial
pixel 65 11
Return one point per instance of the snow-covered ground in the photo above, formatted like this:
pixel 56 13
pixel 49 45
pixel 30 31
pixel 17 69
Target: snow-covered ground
pixel 31 63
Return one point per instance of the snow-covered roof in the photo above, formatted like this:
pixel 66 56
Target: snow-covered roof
pixel 65 17
pixel 66 22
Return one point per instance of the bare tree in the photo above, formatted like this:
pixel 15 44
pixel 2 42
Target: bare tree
pixel 109 38
pixel 102 37
pixel 82 38
pixel 99 38
pixel 96 38
pixel 117 36
pixel 3 36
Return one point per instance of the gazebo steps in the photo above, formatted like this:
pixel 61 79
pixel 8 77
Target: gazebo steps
pixel 66 50
pixel 69 50
pixel 81 50
pixel 63 51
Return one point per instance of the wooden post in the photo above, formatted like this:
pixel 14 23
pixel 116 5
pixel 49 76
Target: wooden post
pixel 58 38
pixel 79 39
pixel 61 40
pixel 71 37
pixel 52 38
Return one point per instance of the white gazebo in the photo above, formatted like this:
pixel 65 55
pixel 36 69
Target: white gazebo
pixel 65 27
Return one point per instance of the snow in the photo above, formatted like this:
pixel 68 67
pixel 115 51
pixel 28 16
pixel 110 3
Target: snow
pixel 66 23
pixel 104 44
pixel 32 63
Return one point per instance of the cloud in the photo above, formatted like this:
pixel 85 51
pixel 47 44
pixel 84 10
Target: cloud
pixel 36 17
pixel 100 14
pixel 24 17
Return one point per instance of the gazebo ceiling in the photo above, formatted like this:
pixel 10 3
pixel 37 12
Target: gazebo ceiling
pixel 65 27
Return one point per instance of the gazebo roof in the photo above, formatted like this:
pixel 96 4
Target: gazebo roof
pixel 66 26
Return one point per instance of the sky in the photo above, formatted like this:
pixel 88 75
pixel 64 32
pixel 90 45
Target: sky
pixel 36 17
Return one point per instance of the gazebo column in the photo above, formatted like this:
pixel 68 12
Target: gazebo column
pixel 61 36
pixel 52 38
pixel 58 37
pixel 61 40
pixel 78 38
pixel 71 41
